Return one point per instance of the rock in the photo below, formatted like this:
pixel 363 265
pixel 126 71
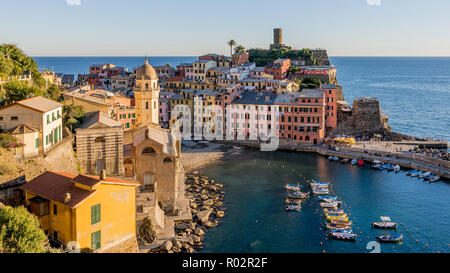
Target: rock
pixel 184 226
pixel 186 246
pixel 204 196
pixel 220 214
pixel 190 250
pixel 199 232
pixel 208 202
pixel 194 205
pixel 177 244
pixel 218 204
pixel 211 224
pixel 204 191
pixel 203 215
pixel 219 185
pixel 211 188
pixel 176 249
pixel 196 238
pixel 167 245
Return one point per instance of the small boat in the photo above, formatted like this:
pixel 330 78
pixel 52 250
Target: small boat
pixel 293 208
pixel 293 201
pixel 354 161
pixel 333 210
pixel 318 183
pixel 360 162
pixel 292 187
pixel 236 147
pixel 390 238
pixel 389 167
pixel 327 198
pixel 329 205
pixel 321 192
pixel 336 215
pixel 428 176
pixel 333 158
pixel 386 223
pixel 342 230
pixel 341 223
pixel 396 168
pixel 435 178
pixel 411 172
pixel 298 195
pixel 416 174
pixel 337 218
pixel 422 175
pixel 337 227
pixel 345 160
pixel 343 236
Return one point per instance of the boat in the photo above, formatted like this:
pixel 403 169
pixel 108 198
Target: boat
pixel 390 238
pixel 360 162
pixel 293 201
pixel 416 174
pixel 345 160
pixel 396 168
pixel 428 176
pixel 386 223
pixel 329 205
pixel 298 195
pixel 337 227
pixel 321 192
pixel 327 198
pixel 422 175
pixel 236 147
pixel 341 230
pixel 354 161
pixel 435 178
pixel 343 236
pixel 318 183
pixel 333 158
pixel 333 210
pixel 389 167
pixel 341 223
pixel 292 187
pixel 337 218
pixel 336 214
pixel 293 208
pixel 381 167
pixel 411 172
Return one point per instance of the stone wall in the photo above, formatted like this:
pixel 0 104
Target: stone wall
pixel 367 115
pixel 10 194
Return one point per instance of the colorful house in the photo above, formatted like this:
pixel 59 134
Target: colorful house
pixel 95 214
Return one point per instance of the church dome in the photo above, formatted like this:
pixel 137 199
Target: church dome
pixel 146 72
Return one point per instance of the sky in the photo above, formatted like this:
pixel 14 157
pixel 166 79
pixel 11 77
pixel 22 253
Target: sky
pixel 195 27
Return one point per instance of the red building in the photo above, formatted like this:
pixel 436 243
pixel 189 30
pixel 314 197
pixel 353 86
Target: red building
pixel 331 99
pixel 239 59
pixel 212 57
pixel 279 69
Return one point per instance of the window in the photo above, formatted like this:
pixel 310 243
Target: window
pixel 37 142
pixel 99 139
pixel 146 105
pixel 14 118
pixel 1 118
pixel 48 119
pixel 55 210
pixel 148 150
pixel 96 239
pixel 95 214
pixel 127 125
pixel 167 160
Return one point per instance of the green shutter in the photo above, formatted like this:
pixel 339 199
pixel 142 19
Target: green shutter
pixel 95 214
pixel 96 239
pixel 37 142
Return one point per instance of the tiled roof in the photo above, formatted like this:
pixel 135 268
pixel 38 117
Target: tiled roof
pixel 55 185
pixel 40 104
pixel 99 117
pixel 22 129
pixel 257 98
pixel 311 93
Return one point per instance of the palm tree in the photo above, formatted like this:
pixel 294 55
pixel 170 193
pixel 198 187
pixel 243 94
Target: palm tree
pixel 239 49
pixel 231 43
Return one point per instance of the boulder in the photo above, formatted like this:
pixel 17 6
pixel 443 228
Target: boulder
pixel 208 202
pixel 211 224
pixel 196 238
pixel 177 244
pixel 211 188
pixel 203 215
pixel 220 214
pixel 218 204
pixel 176 249
pixel 199 232
pixel 166 246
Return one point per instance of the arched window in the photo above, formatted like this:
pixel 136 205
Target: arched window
pixel 99 139
pixel 146 105
pixel 148 151
pixel 307 138
pixel 146 86
pixel 167 160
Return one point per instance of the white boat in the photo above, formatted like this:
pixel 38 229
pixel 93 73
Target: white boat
pixel 415 174
pixel 396 168
pixel 333 205
pixel 293 208
pixel 386 223
pixel 422 175
pixel 292 187
pixel 435 178
pixel 333 158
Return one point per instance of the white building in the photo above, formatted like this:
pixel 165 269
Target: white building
pixel 43 115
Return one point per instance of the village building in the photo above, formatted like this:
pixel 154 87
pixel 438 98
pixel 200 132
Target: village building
pixel 99 142
pixel 36 114
pixel 94 214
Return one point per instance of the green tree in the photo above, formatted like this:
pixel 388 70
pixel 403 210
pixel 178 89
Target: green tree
pixel 239 49
pixel 15 91
pixel 231 44
pixel 53 92
pixel 20 232
pixel 72 116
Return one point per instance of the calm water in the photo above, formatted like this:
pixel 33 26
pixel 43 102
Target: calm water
pixel 414 92
pixel 255 219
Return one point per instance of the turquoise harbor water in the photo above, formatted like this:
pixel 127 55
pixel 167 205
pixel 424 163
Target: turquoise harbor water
pixel 255 219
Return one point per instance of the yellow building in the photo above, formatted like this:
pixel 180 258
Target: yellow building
pixel 95 214
pixel 89 103
pixel 146 96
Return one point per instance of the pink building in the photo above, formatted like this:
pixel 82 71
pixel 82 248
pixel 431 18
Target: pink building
pixel 331 98
pixel 279 69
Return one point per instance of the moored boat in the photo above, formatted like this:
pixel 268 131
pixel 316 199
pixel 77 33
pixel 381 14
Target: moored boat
pixel 342 230
pixel 292 187
pixel 396 168
pixel 329 205
pixel 435 178
pixel 384 225
pixel 293 201
pixel 298 195
pixel 343 236
pixel 333 158
pixel 327 198
pixel 337 227
pixel 345 160
pixel 360 162
pixel 336 218
pixel 354 161
pixel 333 210
pixel 318 183
pixel 341 223
pixel 336 215
pixel 390 238
pixel 415 174
pixel 293 208
pixel 422 175
pixel 320 192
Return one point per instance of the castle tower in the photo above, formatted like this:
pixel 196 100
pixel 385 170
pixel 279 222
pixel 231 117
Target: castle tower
pixel 146 95
pixel 277 37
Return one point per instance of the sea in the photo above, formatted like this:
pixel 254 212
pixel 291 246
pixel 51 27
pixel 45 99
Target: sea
pixel 414 93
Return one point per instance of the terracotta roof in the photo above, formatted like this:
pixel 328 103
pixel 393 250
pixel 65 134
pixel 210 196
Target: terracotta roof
pixel 22 129
pixel 40 103
pixel 55 185
pixel 99 117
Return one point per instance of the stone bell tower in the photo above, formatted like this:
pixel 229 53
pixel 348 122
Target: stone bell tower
pixel 146 94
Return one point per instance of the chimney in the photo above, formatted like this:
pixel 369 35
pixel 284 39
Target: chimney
pixel 103 175
pixel 67 198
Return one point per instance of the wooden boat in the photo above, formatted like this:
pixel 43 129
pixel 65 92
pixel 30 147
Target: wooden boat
pixel 333 158
pixel 318 183
pixel 385 223
pixel 337 227
pixel 320 192
pixel 336 214
pixel 293 201
pixel 293 208
pixel 298 195
pixel 327 198
pixel 343 236
pixel 341 223
pixel 389 167
pixel 411 172
pixel 390 238
pixel 333 210
pixel 338 218
pixel 342 230
pixel 415 174
pixel 292 187
pixel 332 205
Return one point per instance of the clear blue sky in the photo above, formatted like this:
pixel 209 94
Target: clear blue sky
pixel 193 27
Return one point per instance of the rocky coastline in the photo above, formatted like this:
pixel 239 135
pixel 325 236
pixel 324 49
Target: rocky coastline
pixel 207 206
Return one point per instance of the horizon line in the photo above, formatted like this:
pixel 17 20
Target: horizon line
pixel 137 56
